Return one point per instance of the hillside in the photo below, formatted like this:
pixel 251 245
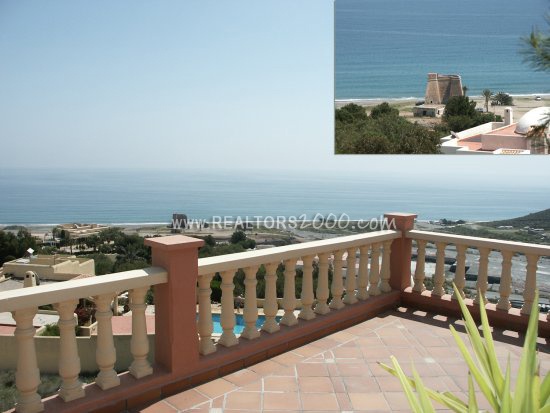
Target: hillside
pixel 539 219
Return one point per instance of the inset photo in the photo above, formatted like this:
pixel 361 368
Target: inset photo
pixel 453 78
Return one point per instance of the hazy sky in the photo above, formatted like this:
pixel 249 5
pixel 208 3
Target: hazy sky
pixel 241 84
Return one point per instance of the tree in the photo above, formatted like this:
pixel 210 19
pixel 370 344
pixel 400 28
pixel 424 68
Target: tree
pixel 238 237
pixel 460 114
pixel 382 110
pixel 351 113
pixel 537 49
pixel 487 94
pixel 502 99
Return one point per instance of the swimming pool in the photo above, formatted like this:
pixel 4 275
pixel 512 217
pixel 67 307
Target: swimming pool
pixel 239 325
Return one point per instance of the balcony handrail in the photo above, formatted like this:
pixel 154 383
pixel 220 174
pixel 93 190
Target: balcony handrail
pixel 44 294
pixel 220 263
pixel 493 244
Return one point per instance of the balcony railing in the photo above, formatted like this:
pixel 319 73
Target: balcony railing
pixel 378 277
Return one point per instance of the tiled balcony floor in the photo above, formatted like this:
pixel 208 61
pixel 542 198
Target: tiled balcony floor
pixel 340 371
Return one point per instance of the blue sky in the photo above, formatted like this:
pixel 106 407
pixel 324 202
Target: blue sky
pixel 241 84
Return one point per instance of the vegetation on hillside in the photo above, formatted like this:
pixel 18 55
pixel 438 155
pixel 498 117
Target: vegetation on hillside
pixel 539 219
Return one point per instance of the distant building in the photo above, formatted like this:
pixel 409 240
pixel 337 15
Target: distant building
pixel 179 223
pixel 501 138
pixel 432 111
pixel 440 88
pixel 76 231
pixel 50 267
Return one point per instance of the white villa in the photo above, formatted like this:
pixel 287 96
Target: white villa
pixel 501 138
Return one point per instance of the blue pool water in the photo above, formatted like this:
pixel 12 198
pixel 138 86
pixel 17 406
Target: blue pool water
pixel 239 325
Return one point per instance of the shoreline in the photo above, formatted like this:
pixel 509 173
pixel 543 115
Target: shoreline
pixel 415 98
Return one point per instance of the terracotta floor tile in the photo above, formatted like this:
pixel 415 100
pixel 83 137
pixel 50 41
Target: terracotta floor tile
pixel 216 388
pixel 315 385
pixel 347 353
pixel 159 407
pixel 186 399
pixel 397 400
pixel 311 370
pixel 389 383
pixel 254 386
pixel 319 401
pixel 242 377
pixel 288 359
pixel 243 400
pixel 361 385
pixel 282 401
pixel 338 384
pixel 340 373
pixel 368 401
pixel 266 367
pixel 309 350
pixel 344 401
pixel 355 370
pixel 279 384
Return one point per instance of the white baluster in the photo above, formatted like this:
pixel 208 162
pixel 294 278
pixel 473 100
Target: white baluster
pixel 482 275
pixel 289 300
pixel 350 278
pixel 307 289
pixel 228 337
pixel 505 281
pixel 374 275
pixel 439 276
pixel 105 351
pixel 530 283
pixel 204 324
pixel 363 277
pixel 322 286
pixel 27 376
pixel 337 288
pixel 270 305
pixel 460 272
pixel 69 362
pixel 250 312
pixel 385 272
pixel 419 271
pixel 139 344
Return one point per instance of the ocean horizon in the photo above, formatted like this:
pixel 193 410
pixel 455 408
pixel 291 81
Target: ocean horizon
pixel 150 197
pixel 385 48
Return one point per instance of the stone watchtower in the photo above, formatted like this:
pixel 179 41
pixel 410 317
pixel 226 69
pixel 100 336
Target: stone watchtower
pixel 440 88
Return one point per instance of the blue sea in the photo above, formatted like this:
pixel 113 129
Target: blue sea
pixel 141 196
pixel 385 48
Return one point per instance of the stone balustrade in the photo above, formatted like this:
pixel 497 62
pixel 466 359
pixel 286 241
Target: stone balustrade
pixel 484 247
pixel 23 304
pixel 325 255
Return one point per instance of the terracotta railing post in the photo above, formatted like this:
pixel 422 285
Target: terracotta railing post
pixel 401 250
pixel 176 339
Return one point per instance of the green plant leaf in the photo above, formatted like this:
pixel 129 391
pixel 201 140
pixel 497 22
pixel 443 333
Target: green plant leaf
pixel 505 396
pixel 448 399
pixel 473 335
pixel 482 380
pixel 472 402
pixel 413 401
pixel 422 393
pixel 496 372
pixel 523 400
pixel 545 391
